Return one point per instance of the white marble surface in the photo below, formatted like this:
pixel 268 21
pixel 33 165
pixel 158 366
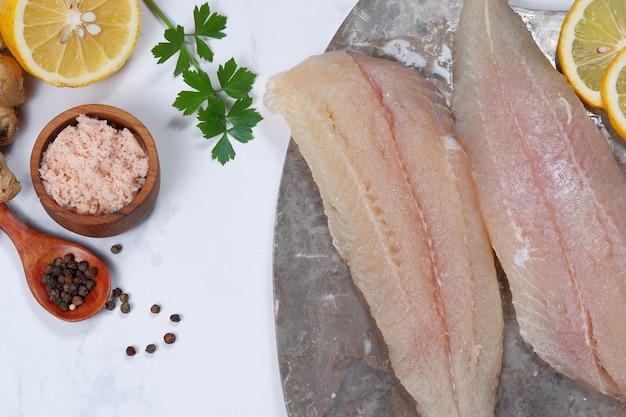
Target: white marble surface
pixel 205 252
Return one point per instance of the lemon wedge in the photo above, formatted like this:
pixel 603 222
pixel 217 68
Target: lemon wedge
pixel 592 34
pixel 73 42
pixel 614 93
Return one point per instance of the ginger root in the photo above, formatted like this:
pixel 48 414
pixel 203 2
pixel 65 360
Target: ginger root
pixel 11 82
pixel 8 125
pixel 11 94
pixel 9 185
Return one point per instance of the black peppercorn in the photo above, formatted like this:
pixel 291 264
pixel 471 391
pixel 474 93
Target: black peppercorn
pixel 90 272
pixel 175 318
pixel 131 351
pixel 169 338
pixel 151 348
pixel 53 294
pixel 115 249
pixel 125 308
pixel 116 292
pixel 124 298
pixel 155 309
pixel 82 290
pixel 110 305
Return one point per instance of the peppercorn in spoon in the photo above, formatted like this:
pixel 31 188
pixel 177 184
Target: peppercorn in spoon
pixel 38 251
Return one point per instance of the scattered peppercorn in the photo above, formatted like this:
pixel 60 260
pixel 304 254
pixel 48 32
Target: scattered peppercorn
pixel 169 338
pixel 116 292
pixel 110 305
pixel 131 351
pixel 155 309
pixel 175 318
pixel 67 283
pixel 151 348
pixel 115 249
pixel 124 298
pixel 125 308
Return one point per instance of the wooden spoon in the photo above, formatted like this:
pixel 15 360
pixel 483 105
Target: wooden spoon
pixel 37 250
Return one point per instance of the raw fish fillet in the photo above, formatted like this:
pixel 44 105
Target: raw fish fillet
pixel 551 192
pixel 402 210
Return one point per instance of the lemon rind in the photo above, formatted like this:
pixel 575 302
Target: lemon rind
pixel 610 95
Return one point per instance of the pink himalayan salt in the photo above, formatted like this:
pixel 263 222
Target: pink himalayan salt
pixel 93 168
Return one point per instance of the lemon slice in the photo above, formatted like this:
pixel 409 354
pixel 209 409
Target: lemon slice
pixel 614 93
pixel 70 42
pixel 593 32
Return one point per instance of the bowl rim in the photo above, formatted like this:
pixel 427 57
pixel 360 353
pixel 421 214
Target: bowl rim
pixel 83 223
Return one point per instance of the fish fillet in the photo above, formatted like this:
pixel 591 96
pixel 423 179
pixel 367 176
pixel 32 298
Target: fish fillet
pixel 551 192
pixel 403 212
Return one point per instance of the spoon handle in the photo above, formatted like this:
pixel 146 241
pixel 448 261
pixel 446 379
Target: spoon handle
pixel 12 226
pixel 20 234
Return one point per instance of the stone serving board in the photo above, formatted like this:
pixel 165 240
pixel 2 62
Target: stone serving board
pixel 333 361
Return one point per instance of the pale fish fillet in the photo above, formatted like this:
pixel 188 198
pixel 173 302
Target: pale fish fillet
pixel 403 212
pixel 551 192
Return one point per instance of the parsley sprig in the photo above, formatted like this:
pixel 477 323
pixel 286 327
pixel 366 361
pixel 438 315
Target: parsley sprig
pixel 224 112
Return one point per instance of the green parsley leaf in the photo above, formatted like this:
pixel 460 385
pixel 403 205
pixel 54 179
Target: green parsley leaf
pixel 190 101
pixel 175 40
pixel 236 82
pixel 175 44
pixel 203 49
pixel 241 114
pixel 183 62
pixel 210 25
pixel 212 120
pixel 223 150
pixel 242 134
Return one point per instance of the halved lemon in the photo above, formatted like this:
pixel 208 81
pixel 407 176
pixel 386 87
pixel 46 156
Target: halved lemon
pixel 593 32
pixel 614 93
pixel 70 42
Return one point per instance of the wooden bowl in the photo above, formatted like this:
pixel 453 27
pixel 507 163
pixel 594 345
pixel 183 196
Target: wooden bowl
pixel 107 224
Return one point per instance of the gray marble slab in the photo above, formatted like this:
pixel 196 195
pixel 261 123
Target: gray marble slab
pixel 332 359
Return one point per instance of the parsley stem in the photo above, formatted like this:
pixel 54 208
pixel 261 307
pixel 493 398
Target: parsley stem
pixel 152 5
